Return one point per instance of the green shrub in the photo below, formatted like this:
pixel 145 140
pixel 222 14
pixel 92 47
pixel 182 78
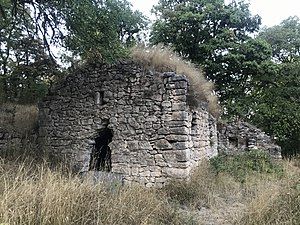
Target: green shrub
pixel 239 166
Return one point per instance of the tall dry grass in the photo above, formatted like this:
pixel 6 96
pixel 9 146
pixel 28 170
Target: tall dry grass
pixel 35 194
pixel 18 118
pixel 31 194
pixel 204 189
pixel 262 197
pixel 18 124
pixel 162 59
pixel 275 201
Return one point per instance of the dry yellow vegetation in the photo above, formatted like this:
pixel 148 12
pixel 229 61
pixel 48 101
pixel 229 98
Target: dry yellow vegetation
pixel 18 117
pixel 162 59
pixel 33 193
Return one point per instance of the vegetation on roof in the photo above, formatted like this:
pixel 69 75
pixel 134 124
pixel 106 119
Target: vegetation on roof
pixel 163 59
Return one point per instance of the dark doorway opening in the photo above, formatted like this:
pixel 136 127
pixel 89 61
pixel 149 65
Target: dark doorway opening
pixel 233 141
pixel 101 153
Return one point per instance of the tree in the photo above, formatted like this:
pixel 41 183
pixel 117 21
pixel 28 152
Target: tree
pixel 29 29
pixel 110 27
pixel 257 79
pixel 215 36
pixel 284 40
pixel 81 25
pixel 277 108
pixel 23 58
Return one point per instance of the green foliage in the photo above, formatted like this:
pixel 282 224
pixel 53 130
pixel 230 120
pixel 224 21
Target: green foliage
pixel 278 107
pixel 240 166
pixel 28 30
pixel 216 36
pixel 107 27
pixel 284 39
pixel 25 64
pixel 256 79
pixel 277 95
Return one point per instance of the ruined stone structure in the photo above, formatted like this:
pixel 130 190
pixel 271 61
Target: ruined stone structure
pixel 126 120
pixel 239 136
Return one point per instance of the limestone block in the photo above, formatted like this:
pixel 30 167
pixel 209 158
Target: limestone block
pixel 176 123
pixel 156 98
pixel 179 130
pixel 149 185
pixel 160 180
pixel 182 145
pixel 87 121
pixel 177 77
pixel 144 145
pixel 133 145
pixel 178 98
pixel 159 160
pixel 176 137
pixel 151 118
pixel 179 92
pixel 179 106
pixel 176 173
pixel 145 174
pixel 163 144
pixel 180 115
pixel 166 104
pixel 132 122
pixel 135 171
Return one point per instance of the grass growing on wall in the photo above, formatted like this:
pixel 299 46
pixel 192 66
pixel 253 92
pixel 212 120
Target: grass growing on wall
pixel 163 59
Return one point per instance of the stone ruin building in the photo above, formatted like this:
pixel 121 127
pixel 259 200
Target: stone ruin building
pixel 124 119
pixel 236 137
pixel 130 121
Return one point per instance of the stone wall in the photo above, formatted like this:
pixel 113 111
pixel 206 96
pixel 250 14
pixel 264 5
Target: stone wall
pixel 236 137
pixel 141 119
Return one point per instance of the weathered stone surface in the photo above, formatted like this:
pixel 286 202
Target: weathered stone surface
pixel 155 135
pixel 236 137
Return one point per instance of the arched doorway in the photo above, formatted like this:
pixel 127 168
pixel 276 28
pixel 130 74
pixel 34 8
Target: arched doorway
pixel 101 153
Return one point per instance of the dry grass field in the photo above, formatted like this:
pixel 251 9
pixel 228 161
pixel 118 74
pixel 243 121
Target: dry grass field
pixel 32 193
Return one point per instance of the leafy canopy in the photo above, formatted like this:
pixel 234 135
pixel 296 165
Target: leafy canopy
pixel 215 36
pixel 30 29
pixel 277 108
pixel 284 39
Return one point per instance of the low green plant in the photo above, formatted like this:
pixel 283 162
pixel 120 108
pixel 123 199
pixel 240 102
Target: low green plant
pixel 239 166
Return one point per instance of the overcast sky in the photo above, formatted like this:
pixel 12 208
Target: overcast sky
pixel 271 11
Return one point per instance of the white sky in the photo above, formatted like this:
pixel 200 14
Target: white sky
pixel 271 11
